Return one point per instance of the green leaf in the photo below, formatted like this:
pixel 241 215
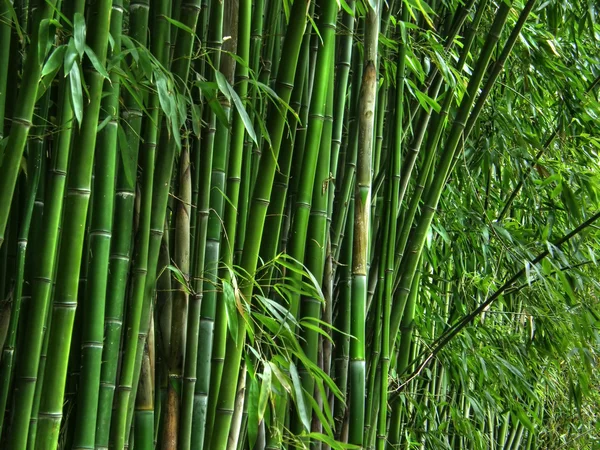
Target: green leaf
pixel 180 277
pixel 346 7
pixel 103 124
pixel 95 62
pixel 332 442
pixel 128 43
pixel 216 108
pixel 299 397
pixel 253 420
pixel 570 202
pixel 70 56
pixel 178 24
pixel 50 69
pixel 243 114
pixel 181 109
pixel 230 309
pixel 163 94
pixel 43 39
pixel 265 390
pixel 55 61
pixel 145 63
pixel 222 84
pixel 79 33
pixel 320 415
pixel 281 377
pixel 76 92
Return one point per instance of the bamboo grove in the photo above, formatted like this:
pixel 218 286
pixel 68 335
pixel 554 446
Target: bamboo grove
pixel 328 224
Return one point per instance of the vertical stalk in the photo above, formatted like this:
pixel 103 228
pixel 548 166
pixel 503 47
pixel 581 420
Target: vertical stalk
pixel 23 112
pixel 259 205
pixel 100 240
pixel 362 199
pixel 76 208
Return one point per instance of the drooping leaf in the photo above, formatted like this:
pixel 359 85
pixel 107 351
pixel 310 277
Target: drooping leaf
pixel 299 397
pixel 230 309
pixel 95 62
pixel 79 30
pixel 76 92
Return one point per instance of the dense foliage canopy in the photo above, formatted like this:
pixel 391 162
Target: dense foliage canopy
pixel 228 224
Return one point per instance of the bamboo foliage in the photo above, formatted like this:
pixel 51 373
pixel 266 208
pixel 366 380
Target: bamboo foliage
pixel 299 224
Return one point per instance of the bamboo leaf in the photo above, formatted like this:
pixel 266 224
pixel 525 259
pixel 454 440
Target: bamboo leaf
pixel 105 122
pixel 265 390
pixel 76 92
pixel 253 420
pixel 178 24
pixel 231 309
pixel 299 397
pixel 180 277
pixel 332 442
pixel 96 63
pixel 223 84
pixel 70 56
pixel 320 415
pixel 50 70
pixel 55 61
pixel 79 33
pixel 243 114
pixel 43 39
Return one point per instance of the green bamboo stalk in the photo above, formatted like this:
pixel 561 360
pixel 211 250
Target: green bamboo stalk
pixel 418 236
pixel 266 60
pixel 233 192
pixel 258 208
pixel 29 361
pixel 163 426
pixel 344 189
pixel 153 214
pixel 342 323
pixel 207 247
pixel 212 266
pixel 144 408
pixel 303 199
pixel 160 199
pixel 23 112
pixel 342 70
pixel 121 242
pixel 392 213
pixel 5 57
pixel 362 198
pixel 177 343
pixel 76 205
pixel 276 210
pixel 33 421
pixel 433 138
pixel 100 241
pixel 316 244
pixel 205 324
pixel 34 163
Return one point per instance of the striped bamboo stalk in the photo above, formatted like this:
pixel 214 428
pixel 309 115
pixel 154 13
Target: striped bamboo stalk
pixel 76 206
pixel 259 204
pixel 23 113
pixel 100 240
